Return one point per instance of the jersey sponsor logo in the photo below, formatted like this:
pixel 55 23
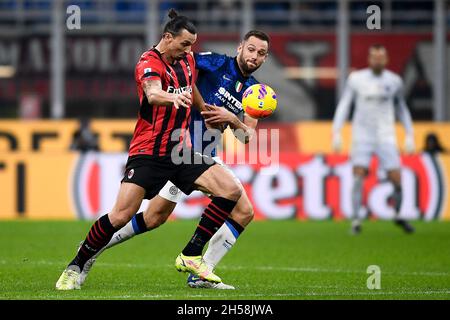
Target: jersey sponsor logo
pixel 172 89
pixel 226 78
pixel 233 104
pixel 204 53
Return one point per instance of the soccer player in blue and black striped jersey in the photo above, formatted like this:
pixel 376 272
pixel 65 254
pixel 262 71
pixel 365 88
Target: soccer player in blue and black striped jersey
pixel 221 81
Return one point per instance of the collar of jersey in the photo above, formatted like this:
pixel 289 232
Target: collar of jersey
pixel 161 57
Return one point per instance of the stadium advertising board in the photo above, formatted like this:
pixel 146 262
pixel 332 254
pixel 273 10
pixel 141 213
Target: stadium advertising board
pixel 302 186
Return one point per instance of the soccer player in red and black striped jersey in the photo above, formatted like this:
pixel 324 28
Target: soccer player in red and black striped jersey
pixel 160 152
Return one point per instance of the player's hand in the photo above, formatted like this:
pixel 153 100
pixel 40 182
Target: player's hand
pixel 409 144
pixel 337 142
pixel 184 99
pixel 210 107
pixel 217 115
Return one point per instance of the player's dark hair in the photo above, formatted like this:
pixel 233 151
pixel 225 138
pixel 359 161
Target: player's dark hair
pixel 258 34
pixel 377 46
pixel 177 23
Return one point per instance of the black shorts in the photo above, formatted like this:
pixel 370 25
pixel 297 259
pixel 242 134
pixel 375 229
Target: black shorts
pixel 153 172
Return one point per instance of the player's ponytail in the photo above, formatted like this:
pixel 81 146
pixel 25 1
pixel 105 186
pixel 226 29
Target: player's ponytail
pixel 177 23
pixel 172 13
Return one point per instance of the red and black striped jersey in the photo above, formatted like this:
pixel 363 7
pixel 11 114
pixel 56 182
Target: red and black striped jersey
pixel 160 128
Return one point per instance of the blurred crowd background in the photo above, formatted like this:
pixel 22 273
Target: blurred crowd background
pixel 315 43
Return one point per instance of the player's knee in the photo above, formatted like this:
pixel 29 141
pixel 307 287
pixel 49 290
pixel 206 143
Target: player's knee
pixel 245 214
pixel 232 191
pixel 120 218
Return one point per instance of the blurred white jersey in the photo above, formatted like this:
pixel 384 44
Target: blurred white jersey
pixel 378 98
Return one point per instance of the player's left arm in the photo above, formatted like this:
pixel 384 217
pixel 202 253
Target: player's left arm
pixel 243 130
pixel 404 116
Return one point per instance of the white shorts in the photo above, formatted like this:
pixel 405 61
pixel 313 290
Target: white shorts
pixel 387 154
pixel 172 193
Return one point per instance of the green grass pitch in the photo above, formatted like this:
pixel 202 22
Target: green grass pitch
pixel 272 260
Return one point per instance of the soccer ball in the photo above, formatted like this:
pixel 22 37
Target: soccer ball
pixel 259 101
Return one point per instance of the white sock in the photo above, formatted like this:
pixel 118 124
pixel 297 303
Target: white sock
pixel 219 245
pixel 127 232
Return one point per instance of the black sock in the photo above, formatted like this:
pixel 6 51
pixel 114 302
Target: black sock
pixel 139 223
pixel 237 227
pixel 212 219
pixel 397 198
pixel 98 236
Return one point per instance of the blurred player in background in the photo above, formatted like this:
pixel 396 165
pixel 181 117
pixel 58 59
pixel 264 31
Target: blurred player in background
pixel 84 139
pixel 378 97
pixel 165 79
pixel 221 81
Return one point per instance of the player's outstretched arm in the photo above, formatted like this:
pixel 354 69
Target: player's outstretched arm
pixel 157 96
pixel 341 115
pixel 404 116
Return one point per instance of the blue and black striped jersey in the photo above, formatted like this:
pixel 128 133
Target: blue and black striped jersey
pixel 220 82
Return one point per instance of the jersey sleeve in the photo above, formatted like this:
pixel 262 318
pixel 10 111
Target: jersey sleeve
pixel 149 69
pixel 402 110
pixel 209 61
pixel 343 108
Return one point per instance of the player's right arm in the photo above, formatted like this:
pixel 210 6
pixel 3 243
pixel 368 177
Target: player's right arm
pixel 404 116
pixel 148 74
pixel 342 112
pixel 157 96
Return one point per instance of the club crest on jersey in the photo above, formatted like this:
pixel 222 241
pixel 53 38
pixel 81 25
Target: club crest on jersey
pixel 238 86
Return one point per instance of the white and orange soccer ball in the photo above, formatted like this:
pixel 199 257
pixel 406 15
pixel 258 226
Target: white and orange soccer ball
pixel 259 101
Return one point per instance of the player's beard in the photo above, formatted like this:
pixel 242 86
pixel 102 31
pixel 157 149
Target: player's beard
pixel 180 56
pixel 244 66
pixel 377 69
